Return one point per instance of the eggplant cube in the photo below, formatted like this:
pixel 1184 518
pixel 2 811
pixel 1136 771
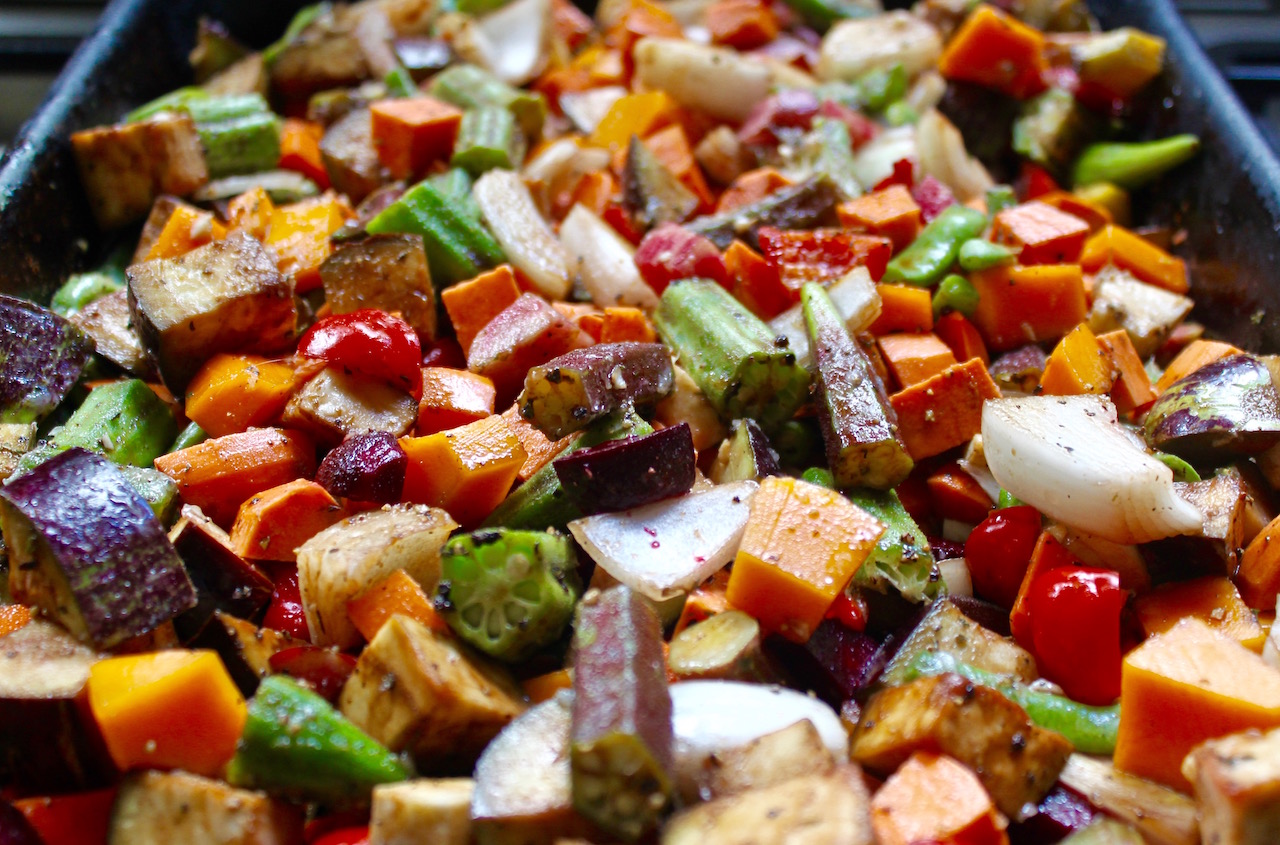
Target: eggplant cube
pixel 41 357
pixel 383 271
pixel 334 405
pixel 225 296
pixel 156 808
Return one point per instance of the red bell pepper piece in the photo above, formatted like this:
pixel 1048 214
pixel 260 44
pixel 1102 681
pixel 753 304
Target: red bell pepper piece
pixel 998 551
pixel 325 670
pixel 344 836
pixel 285 611
pixel 368 342
pixel 672 252
pixel 77 819
pixel 822 255
pixel 1075 618
pixel 904 173
pixel 851 612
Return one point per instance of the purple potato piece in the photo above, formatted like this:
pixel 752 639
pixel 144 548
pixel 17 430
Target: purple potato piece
pixel 14 827
pixel 1020 369
pixel 41 357
pixel 1222 410
pixel 223 580
pixel 1059 814
pixel 86 549
pixel 627 473
pixel 836 664
pixel 366 467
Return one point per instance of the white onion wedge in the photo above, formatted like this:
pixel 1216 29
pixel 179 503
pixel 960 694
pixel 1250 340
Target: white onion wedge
pixel 721 82
pixel 875 159
pixel 515 40
pixel 944 157
pixel 587 108
pixel 603 261
pixel 669 547
pixel 1068 456
pixel 526 238
pixel 855 297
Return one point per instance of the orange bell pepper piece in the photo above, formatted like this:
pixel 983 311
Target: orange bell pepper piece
pixel 1146 261
pixel 997 50
pixel 634 114
pixel 233 393
pixel 1077 365
pixel 251 213
pixel 187 228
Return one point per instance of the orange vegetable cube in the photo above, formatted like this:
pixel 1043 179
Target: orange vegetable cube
pixel 757 283
pixel 903 308
pixel 634 21
pixel 997 50
pixel 1131 389
pixel 802 545
pixel 623 324
pixel 13 617
pixel 467 471
pixel 741 24
pixel 954 494
pixel 961 337
pixel 1077 365
pixel 473 303
pixel 299 234
pixel 1045 234
pixel 594 191
pixel 542 687
pixel 634 114
pixel 300 150
pixel 187 228
pixel 936 799
pixel 451 398
pixel 1095 215
pixel 398 593
pixel 915 357
pixel 273 523
pixel 1197 354
pixel 539 449
pixel 1259 575
pixel 752 186
pixel 891 212
pixel 251 213
pixel 410 133
pixel 1022 304
pixel 944 411
pixel 1215 601
pixel 1185 686
pixel 1146 261
pixel 171 709
pixel 233 393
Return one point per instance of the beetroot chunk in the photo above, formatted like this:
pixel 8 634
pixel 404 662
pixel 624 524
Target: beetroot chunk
pixel 627 473
pixel 366 467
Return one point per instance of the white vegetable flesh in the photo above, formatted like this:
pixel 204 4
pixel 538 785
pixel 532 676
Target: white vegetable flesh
pixel 519 227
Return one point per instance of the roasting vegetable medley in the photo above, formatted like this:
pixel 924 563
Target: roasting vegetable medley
pixel 714 421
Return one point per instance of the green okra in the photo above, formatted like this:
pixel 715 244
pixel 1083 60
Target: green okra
pixel 192 435
pixel 936 248
pixel 570 391
pixel 821 14
pixel 730 353
pixel 82 289
pixel 1133 165
pixel 1092 730
pixel 458 246
pixel 469 87
pixel 488 138
pixel 955 293
pixel 902 559
pixel 508 592
pixel 239 133
pixel 455 184
pixel 981 254
pixel 176 100
pixel 296 745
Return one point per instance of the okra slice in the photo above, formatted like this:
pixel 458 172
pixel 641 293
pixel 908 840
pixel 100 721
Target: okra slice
pixel 468 87
pixel 568 392
pixel 458 245
pixel 732 355
pixel 621 739
pixel 808 205
pixel 723 647
pixel 652 192
pixel 296 746
pixel 487 138
pixel 508 592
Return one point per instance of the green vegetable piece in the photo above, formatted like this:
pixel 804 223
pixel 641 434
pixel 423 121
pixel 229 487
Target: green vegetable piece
pixel 508 592
pixel 844 93
pixel 900 113
pixel 469 87
pixel 798 443
pixel 176 100
pixel 1005 499
pixel 981 254
pixel 1000 197
pixel 809 204
pixel 819 476
pixel 476 8
pixel 902 558
pixel 955 293
pixel 296 746
pixel 302 19
pixel 1053 128
pixel 1133 165
pixel 1227 408
pixel 833 155
pixel 652 192
pixel 125 422
pixel 927 259
pixel 730 353
pixel 283 186
pixel 82 289
pixel 192 435
pixel 621 739
pixel 239 133
pixel 458 246
pixel 400 83
pixel 1182 471
pixel 821 14
pixel 488 138
pixel 455 184
pixel 158 489
pixel 541 502
pixel 859 427
pixel 1105 831
pixel 882 86
pixel 1092 730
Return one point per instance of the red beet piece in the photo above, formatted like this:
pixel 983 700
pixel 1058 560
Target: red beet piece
pixel 365 467
pixel 627 473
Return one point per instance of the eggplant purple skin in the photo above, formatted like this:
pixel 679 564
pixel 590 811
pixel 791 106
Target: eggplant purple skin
pixel 123 571
pixel 1020 369
pixel 41 358
pixel 223 580
pixel 631 472
pixel 367 467
pixel 762 451
pixel 1224 409
pixel 647 376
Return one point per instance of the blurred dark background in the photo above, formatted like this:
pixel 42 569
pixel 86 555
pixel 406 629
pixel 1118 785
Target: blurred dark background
pixel 37 36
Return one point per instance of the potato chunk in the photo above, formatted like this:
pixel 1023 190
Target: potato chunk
pixel 426 810
pixel 334 404
pixel 157 808
pixel 1237 785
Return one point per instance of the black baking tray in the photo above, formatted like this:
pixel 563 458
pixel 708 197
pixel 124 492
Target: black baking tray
pixel 1227 202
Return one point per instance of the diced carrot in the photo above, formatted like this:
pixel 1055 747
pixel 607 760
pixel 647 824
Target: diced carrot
pixel 1077 365
pixel 1048 555
pixel 592 324
pixel 903 308
pixel 961 336
pixel 80 818
pixel 232 393
pixel 538 448
pixel 757 283
pixel 13 617
pixel 997 50
pixel 299 234
pixel 1197 354
pixel 1021 304
pixel 944 411
pixel 750 187
pixel 1214 600
pixel 741 24
pixel 634 114
pixel 571 24
pixel 637 19
pixel 1046 234
pixel 300 150
pixel 188 227
pixel 171 709
pixel 1183 687
pixel 706 600
pixel 1096 216
pixel 542 687
pixel 935 799
pixel 1259 575
pixel 219 474
pixel 251 213
pixel 451 398
pixel 1131 389
pixel 623 324
pixel 467 471
pixel 412 132
pixel 593 191
pixel 915 357
pixel 556 81
pixel 270 525
pixel 473 303
pixel 891 212
pixel 802 545
pixel 398 593
pixel 1146 261
pixel 954 494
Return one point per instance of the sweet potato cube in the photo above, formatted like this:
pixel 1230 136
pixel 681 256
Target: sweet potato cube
pixel 890 212
pixel 1022 304
pixel 933 798
pixel 915 357
pixel 1215 601
pixel 451 398
pixel 1046 234
pixel 1131 388
pixel 467 470
pixel 945 410
pixel 473 303
pixel 411 133
pixel 273 523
